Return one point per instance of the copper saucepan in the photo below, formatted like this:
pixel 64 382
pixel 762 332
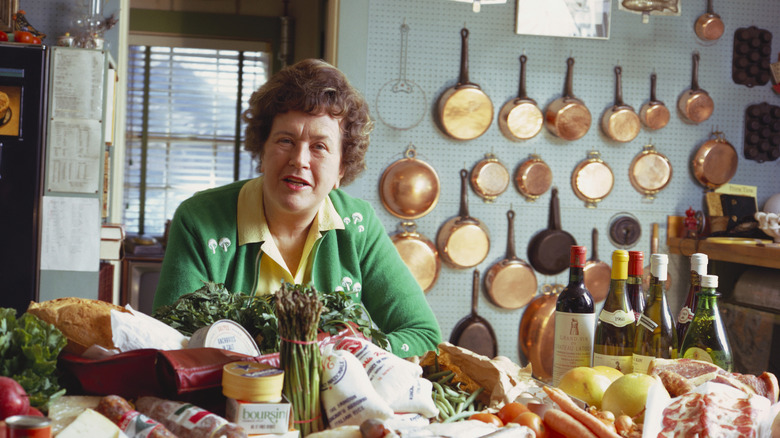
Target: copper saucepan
pixel 418 253
pixel 536 337
pixel 620 122
pixel 654 114
pixel 597 273
pixel 533 177
pixel 715 162
pixel 592 179
pixel 463 241
pixel 511 282
pixel 489 178
pixel 650 172
pixel 695 105
pixel 520 118
pixel 464 111
pixel 409 188
pixel 709 26
pixel 567 117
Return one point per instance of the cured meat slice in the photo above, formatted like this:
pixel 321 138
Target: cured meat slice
pixel 714 414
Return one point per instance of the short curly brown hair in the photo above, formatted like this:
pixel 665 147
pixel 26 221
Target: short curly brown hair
pixel 315 87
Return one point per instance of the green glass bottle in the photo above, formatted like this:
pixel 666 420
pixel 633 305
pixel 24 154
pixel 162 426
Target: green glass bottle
pixel 706 337
pixel 613 345
pixel 655 331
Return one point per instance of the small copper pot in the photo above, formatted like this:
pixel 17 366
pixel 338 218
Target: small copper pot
pixel 533 177
pixel 592 179
pixel 489 178
pixel 409 188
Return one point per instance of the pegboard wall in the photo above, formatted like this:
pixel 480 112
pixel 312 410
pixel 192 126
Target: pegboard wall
pixel 370 53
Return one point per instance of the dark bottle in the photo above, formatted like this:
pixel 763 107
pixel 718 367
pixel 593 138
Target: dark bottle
pixel 706 337
pixel 655 332
pixel 575 320
pixel 636 293
pixel 684 318
pixel 613 345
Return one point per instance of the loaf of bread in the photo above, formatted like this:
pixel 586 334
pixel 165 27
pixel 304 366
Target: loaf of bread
pixel 84 322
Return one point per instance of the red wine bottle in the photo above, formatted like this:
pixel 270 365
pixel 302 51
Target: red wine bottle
pixel 575 320
pixel 634 288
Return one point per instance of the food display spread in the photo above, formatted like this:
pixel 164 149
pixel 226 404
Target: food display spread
pixel 344 384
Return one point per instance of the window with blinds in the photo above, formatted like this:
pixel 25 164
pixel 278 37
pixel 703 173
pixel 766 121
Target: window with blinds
pixel 184 129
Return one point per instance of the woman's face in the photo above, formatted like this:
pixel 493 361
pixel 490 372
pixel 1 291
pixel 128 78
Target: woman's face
pixel 301 163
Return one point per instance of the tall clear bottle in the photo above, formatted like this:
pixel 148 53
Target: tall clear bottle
pixel 575 320
pixel 655 332
pixel 636 293
pixel 684 318
pixel 614 342
pixel 706 337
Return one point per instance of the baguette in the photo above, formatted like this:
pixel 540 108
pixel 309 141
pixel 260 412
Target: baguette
pixel 82 321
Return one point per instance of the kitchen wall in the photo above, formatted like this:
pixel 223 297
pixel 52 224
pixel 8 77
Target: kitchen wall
pixel 369 52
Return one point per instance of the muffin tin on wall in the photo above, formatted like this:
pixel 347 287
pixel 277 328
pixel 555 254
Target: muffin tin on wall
pixel 664 46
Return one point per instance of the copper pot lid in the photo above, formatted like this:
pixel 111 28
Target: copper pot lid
pixel 489 178
pixel 419 254
pixel 715 162
pixel 409 188
pixel 533 178
pixel 592 179
pixel 650 172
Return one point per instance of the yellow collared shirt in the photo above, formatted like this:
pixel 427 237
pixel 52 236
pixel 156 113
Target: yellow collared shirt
pixel 253 228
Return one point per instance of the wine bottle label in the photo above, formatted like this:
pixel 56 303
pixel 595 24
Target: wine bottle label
pixel 641 363
pixel 574 334
pixel 685 315
pixel 618 318
pixel 623 364
pixel 647 322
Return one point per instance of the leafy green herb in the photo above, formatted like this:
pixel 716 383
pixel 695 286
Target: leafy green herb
pixel 29 348
pixel 257 315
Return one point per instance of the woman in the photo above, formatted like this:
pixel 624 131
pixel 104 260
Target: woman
pixel 309 129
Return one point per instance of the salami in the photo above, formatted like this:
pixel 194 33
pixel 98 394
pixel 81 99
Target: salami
pixel 187 420
pixel 133 423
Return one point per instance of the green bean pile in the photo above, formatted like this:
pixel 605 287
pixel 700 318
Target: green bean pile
pixel 453 402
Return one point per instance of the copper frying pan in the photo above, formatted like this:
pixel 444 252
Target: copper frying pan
pixel 709 26
pixel 474 332
pixel 715 162
pixel 597 273
pixel 489 178
pixel 536 336
pixel 418 253
pixel 620 122
pixel 520 118
pixel 567 117
pixel 511 282
pixel 533 177
pixel 464 111
pixel 695 105
pixel 463 241
pixel 654 114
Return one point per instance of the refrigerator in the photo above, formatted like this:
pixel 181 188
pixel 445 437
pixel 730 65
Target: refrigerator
pixel 23 97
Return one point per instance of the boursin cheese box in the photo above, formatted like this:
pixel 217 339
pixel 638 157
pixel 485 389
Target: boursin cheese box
pixel 260 418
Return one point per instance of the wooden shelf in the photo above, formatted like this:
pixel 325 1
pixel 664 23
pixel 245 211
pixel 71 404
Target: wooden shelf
pixel 755 254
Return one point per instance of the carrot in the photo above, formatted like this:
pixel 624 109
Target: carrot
pixel 566 425
pixel 568 406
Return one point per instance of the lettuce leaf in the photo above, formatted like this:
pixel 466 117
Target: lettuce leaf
pixel 29 348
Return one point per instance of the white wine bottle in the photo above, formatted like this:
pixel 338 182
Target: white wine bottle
pixel 706 338
pixel 613 345
pixel 655 331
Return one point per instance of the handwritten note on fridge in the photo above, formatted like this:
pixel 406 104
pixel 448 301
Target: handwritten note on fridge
pixel 70 235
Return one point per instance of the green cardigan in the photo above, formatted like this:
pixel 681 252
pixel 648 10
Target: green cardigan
pixel 360 260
